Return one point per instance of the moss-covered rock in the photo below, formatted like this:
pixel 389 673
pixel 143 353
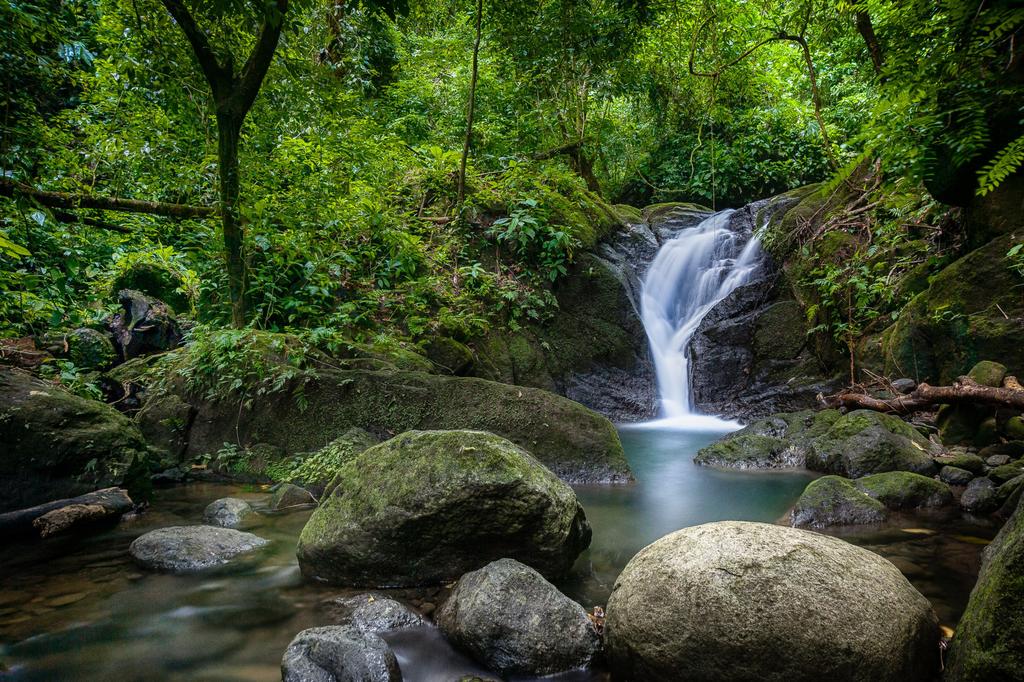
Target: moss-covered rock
pixel 427 506
pixel 314 471
pixel 153 280
pixel 971 311
pixel 450 357
pixel 574 442
pixel 864 442
pixel 836 501
pixel 54 444
pixel 980 496
pixel 87 348
pixel 951 475
pixel 989 641
pixel 972 463
pixel 1002 474
pixel 905 490
pixel 988 373
pixel 1014 428
pixel 779 441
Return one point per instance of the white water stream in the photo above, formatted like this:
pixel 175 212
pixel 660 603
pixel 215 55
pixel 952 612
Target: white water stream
pixel 689 276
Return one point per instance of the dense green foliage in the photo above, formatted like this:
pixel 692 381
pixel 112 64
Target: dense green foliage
pixel 350 153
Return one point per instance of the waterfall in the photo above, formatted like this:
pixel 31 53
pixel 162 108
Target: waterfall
pixel 689 276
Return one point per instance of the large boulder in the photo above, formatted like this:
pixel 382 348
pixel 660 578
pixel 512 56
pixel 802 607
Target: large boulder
pixel 517 623
pixel 905 490
pixel 54 444
pixel 750 601
pixel 189 549
pixel 427 506
pixel 865 442
pixel 572 441
pixel 339 654
pixel 778 441
pixel 989 641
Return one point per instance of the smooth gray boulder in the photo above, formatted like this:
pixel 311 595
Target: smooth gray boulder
pixel 188 549
pixel 952 475
pixel 338 654
pixel 735 600
pixel 427 506
pixel 227 512
pixel 512 620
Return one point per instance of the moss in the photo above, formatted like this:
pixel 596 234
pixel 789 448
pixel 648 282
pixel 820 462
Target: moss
pixel 779 441
pixel 745 451
pixel 1004 473
pixel 968 462
pixel 989 641
pixel 152 280
pixel 629 214
pixel 988 373
pixel 905 490
pixel 864 442
pixel 835 501
pixel 971 311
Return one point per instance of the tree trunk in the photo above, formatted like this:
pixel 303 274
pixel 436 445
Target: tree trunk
pixel 963 390
pixel 47 519
pixel 228 132
pixel 471 106
pixel 816 97
pixel 585 167
pixel 867 32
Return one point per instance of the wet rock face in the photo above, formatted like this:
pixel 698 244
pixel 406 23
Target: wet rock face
pixel 427 506
pixel 189 549
pixel 515 622
pixel 338 654
pixel 747 601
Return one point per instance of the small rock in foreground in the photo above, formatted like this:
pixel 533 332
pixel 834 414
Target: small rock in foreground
pixel 338 654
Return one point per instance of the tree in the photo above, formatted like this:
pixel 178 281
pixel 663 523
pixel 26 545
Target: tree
pixel 233 96
pixel 471 105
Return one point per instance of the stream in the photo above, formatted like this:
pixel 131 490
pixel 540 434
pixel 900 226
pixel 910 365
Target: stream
pixel 79 609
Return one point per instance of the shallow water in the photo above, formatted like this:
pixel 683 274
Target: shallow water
pixel 80 610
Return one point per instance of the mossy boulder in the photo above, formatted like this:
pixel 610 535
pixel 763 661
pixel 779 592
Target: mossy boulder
pixel 450 357
pixel 971 311
pixel 972 463
pixel 988 373
pixel 87 348
pixel 1002 474
pixel 989 641
pixel 835 501
pixel 1014 428
pixel 905 490
pixel 428 506
pixel 54 444
pixel 574 442
pixel 779 441
pixel 864 442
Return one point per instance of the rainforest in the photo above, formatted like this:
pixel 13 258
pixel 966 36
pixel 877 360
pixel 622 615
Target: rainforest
pixel 465 340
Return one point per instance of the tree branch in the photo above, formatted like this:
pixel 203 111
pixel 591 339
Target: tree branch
pixel 10 188
pixel 567 148
pixel 248 83
pixel 963 390
pixel 217 75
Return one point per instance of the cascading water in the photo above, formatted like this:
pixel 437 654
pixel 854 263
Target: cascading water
pixel 689 276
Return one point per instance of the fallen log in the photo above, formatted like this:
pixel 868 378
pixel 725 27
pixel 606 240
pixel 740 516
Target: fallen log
pixel 963 390
pixel 71 201
pixel 58 516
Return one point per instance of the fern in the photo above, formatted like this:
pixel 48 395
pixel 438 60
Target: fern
pixel 1005 163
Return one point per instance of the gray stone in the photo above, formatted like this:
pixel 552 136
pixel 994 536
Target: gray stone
pixel 904 386
pixel 377 614
pixel 750 601
pixel 955 475
pixel 228 512
pixel 188 549
pixel 998 460
pixel 338 654
pixel 290 497
pixel 980 496
pixel 517 623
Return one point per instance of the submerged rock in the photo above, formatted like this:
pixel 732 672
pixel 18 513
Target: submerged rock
pixel 427 506
pixel 989 640
pixel 517 623
pixel 864 442
pixel 836 501
pixel 749 601
pixel 54 444
pixel 227 512
pixel 338 654
pixel 187 549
